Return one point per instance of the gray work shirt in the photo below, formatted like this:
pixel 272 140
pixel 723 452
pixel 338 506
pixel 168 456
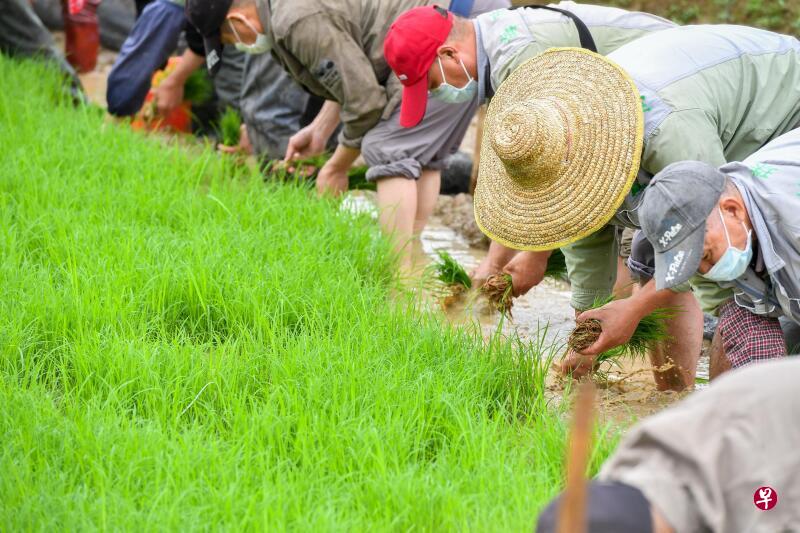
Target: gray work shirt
pixel 769 181
pixel 709 93
pixel 506 38
pixel 702 461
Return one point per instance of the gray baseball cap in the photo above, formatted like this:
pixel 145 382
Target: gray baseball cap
pixel 673 217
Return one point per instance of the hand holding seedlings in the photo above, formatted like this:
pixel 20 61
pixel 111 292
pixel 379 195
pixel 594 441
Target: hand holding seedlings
pixel 499 289
pixel 244 146
pixel 595 341
pixel 304 144
pixel 616 321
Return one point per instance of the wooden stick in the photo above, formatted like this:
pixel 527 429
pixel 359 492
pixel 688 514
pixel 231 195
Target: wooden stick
pixel 572 512
pixel 476 157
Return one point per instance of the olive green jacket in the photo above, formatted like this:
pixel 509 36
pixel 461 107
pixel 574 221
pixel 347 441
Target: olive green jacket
pixel 335 50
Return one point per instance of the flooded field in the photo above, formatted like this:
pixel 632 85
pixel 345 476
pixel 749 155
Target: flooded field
pixel 543 315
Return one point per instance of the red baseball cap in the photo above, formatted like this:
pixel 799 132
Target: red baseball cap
pixel 410 49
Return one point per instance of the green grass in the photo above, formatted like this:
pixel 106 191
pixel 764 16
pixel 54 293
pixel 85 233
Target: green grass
pixel 230 127
pixel 186 348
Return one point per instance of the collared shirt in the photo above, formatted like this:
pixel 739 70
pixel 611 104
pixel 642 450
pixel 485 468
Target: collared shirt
pixel 508 37
pixel 334 49
pixel 769 181
pixel 709 93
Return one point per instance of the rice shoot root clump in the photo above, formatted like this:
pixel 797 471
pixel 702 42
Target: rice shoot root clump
pixel 651 330
pixel 584 335
pixel 499 289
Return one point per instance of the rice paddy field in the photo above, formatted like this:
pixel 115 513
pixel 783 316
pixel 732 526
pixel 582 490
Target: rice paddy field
pixel 187 347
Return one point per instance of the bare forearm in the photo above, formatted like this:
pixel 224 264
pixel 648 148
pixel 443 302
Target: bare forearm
pixel 343 157
pixel 648 299
pixel 327 119
pixel 189 63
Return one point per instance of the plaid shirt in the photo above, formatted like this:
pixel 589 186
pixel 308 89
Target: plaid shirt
pixel 747 337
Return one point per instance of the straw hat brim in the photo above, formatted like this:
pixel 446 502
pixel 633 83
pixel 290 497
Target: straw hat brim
pixel 603 157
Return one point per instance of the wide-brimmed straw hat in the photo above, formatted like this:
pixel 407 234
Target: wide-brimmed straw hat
pixel 561 148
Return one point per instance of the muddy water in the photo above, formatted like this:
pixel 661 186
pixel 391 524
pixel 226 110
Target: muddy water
pixel 543 315
pixel 545 309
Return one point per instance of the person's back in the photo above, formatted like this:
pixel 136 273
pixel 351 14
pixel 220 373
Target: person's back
pixel 701 461
pixel 292 25
pixel 512 36
pixel 770 181
pixel 713 93
pixel 709 93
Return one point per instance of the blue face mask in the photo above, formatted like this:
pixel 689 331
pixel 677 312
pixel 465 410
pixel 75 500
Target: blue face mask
pixel 454 95
pixel 734 261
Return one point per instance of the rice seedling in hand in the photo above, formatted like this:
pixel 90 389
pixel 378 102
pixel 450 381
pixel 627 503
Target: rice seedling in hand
pixel 198 88
pixel 450 280
pixel 230 127
pixel 498 289
pixel 450 272
pixel 651 330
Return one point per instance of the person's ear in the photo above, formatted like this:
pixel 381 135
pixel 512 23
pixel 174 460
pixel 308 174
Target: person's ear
pixel 733 207
pixel 447 51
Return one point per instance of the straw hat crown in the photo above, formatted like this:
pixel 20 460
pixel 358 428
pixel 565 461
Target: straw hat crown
pixel 562 147
pixel 530 138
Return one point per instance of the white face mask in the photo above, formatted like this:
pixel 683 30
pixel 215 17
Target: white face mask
pixel 734 262
pixel 455 95
pixel 262 44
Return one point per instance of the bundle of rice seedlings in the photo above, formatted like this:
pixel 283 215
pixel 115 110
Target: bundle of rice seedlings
pixel 498 289
pixel 302 169
pixel 198 88
pixel 230 127
pixel 447 279
pixel 449 272
pixel 651 330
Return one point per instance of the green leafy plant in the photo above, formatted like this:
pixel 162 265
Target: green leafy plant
pixel 651 330
pixel 450 272
pixel 161 316
pixel 230 124
pixel 198 88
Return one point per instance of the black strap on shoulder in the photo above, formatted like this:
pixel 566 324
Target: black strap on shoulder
pixel 584 35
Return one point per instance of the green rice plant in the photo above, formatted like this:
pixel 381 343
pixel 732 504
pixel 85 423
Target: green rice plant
pixel 198 88
pixel 305 170
pixel 182 349
pixel 230 124
pixel 449 272
pixel 651 330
